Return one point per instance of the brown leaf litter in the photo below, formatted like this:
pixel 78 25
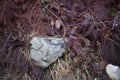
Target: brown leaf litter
pixel 91 27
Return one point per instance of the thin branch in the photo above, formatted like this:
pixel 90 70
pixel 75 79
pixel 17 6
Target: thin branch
pixel 115 20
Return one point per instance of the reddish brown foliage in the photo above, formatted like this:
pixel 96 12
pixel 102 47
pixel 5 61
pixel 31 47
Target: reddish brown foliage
pixel 79 19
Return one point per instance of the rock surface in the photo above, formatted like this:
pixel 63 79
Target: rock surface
pixel 45 51
pixel 113 71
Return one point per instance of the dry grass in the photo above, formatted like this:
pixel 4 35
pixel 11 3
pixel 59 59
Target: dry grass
pixel 68 69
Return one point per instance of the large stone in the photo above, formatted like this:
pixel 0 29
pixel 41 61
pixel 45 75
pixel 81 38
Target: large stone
pixel 45 51
pixel 113 71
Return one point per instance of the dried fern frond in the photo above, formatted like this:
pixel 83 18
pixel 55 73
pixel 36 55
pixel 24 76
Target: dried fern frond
pixel 7 12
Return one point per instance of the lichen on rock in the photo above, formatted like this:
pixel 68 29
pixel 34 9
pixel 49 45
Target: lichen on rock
pixel 45 51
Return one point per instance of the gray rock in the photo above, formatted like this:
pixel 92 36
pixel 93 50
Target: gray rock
pixel 113 71
pixel 45 51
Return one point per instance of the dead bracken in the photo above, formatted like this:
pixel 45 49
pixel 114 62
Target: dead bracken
pixel 92 28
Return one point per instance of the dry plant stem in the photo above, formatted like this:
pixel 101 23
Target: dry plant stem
pixel 87 73
pixel 115 20
pixel 64 34
pixel 111 34
pixel 94 20
pixel 89 23
pixel 96 24
pixel 100 29
pixel 115 42
pixel 103 23
pixel 5 42
pixel 27 56
pixel 117 36
pixel 112 29
pixel 52 74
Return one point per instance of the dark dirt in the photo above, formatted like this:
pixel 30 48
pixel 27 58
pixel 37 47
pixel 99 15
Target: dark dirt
pixel 91 24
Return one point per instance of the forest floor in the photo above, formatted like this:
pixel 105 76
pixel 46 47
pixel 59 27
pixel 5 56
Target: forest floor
pixel 92 28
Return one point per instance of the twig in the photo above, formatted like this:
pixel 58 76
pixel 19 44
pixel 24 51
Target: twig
pixel 115 20
pixel 94 20
pixel 6 42
pixel 90 23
